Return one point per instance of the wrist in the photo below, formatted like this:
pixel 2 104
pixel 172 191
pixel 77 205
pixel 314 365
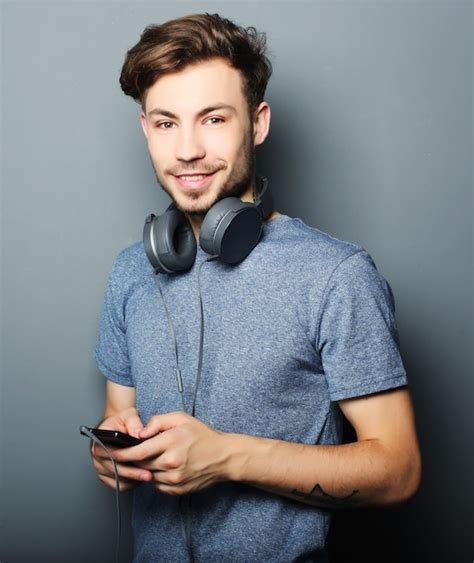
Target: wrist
pixel 247 456
pixel 234 456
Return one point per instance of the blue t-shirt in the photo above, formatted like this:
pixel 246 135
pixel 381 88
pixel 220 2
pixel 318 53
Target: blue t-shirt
pixel 304 321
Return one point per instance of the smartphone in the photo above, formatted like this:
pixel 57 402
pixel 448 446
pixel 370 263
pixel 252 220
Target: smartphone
pixel 114 438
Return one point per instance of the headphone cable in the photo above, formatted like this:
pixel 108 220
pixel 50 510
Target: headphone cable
pixel 184 501
pixel 201 335
pixel 85 431
pixel 179 379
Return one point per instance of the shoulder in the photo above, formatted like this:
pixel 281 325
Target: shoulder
pixel 325 242
pixel 319 253
pixel 132 259
pixel 331 265
pixel 130 267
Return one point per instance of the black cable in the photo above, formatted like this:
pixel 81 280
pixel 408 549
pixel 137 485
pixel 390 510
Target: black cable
pixel 179 380
pixel 184 501
pixel 201 335
pixel 86 432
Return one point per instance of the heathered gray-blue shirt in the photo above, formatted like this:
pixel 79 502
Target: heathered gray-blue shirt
pixel 304 321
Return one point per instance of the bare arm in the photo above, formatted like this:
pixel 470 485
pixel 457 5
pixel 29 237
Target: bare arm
pixel 382 467
pixel 117 398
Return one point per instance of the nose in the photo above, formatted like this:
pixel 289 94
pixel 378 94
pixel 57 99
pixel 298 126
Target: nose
pixel 189 145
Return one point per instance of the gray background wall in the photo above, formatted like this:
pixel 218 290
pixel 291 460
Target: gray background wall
pixel 371 141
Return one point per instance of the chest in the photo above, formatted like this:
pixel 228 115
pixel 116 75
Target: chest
pixel 256 354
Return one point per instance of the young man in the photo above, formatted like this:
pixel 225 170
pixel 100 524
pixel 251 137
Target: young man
pixel 300 330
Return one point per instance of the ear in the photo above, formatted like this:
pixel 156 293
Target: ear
pixel 144 124
pixel 261 123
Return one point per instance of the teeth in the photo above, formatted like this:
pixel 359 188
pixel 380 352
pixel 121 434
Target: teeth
pixel 195 178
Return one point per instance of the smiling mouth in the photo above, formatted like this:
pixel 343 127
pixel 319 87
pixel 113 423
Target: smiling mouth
pixel 194 180
pixel 191 177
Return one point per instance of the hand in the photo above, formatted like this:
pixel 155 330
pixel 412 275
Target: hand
pixel 182 453
pixel 130 477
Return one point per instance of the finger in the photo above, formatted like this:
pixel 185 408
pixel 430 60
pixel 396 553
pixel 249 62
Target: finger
pixel 100 453
pixel 168 461
pixel 106 467
pixel 151 448
pixel 170 489
pixel 102 469
pixel 127 421
pixel 176 484
pixel 113 423
pixel 170 482
pixel 124 485
pixel 163 422
pixel 124 471
pixel 174 489
pixel 112 478
pixel 172 478
pixel 133 423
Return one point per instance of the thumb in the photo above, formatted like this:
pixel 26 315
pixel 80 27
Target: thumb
pixel 162 422
pixel 133 423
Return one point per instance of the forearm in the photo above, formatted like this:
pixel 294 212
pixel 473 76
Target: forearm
pixel 358 474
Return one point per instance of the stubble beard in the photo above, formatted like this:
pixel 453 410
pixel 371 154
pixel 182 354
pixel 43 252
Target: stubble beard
pixel 238 182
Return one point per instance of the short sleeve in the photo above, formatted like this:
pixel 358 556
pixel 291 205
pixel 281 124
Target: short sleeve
pixel 111 351
pixel 358 338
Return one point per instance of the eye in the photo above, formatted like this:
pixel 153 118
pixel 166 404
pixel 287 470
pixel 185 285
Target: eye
pixel 164 125
pixel 214 120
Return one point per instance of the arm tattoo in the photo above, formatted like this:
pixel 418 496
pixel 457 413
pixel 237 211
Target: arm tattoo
pixel 319 497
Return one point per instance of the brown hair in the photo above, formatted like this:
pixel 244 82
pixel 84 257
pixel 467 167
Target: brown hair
pixel 171 46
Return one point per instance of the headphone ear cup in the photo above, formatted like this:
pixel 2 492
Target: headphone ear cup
pixel 231 230
pixel 169 242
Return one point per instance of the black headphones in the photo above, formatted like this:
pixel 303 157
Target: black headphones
pixel 230 231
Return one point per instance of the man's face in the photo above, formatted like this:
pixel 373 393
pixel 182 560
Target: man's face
pixel 200 136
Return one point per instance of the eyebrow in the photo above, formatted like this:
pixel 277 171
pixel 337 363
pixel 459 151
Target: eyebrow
pixel 204 111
